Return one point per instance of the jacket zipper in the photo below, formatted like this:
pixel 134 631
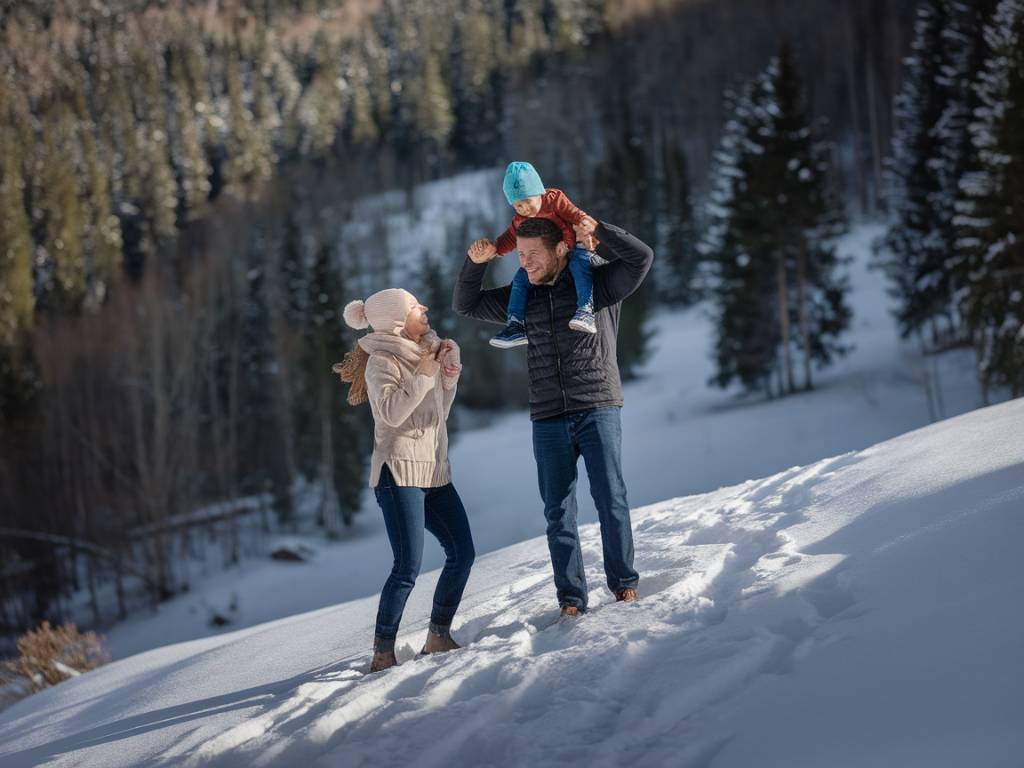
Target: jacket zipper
pixel 558 358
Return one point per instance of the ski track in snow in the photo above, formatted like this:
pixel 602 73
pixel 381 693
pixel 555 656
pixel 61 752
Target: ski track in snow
pixel 699 558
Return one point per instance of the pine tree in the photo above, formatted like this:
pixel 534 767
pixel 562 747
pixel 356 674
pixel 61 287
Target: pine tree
pixel 187 149
pixel 676 238
pixel 265 466
pixel 250 154
pixel 103 229
pixel 116 122
pixel 160 192
pixel 812 218
pixel 624 181
pixel 364 128
pixel 333 443
pixel 964 51
pixel 477 54
pixel 17 297
pixel 743 286
pixel 772 220
pixel 920 235
pixel 434 117
pixel 527 33
pixel 320 110
pixel 991 209
pixel 60 209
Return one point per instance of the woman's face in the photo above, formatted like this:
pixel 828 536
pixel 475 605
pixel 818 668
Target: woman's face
pixel 416 322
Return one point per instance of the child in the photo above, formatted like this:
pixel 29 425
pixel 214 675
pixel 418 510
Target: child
pixel 526 193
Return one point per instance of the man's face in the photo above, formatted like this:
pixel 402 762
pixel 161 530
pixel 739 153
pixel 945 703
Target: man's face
pixel 541 262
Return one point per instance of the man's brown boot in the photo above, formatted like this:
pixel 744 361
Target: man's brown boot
pixel 627 595
pixel 570 610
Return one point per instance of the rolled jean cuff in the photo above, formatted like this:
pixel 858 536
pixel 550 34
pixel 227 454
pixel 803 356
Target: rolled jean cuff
pixel 442 617
pixel 383 644
pixel 441 630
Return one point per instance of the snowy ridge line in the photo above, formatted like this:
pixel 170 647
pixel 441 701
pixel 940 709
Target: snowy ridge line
pixel 698 558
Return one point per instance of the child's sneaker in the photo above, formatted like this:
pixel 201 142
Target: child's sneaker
pixel 583 321
pixel 514 335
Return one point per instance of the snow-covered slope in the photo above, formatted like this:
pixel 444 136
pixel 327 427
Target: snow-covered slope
pixel 864 610
pixel 679 437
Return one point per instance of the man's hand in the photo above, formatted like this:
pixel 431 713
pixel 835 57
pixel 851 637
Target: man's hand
pixel 482 251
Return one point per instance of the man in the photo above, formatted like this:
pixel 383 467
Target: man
pixel 575 390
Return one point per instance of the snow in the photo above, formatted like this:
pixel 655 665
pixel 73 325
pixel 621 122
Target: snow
pixel 860 610
pixel 679 437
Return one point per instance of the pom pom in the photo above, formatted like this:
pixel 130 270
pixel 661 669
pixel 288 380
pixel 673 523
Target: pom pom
pixel 355 315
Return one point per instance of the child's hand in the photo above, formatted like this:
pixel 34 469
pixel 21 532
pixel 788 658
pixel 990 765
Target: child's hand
pixel 585 228
pixel 584 239
pixel 482 251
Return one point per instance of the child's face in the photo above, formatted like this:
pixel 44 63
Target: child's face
pixel 528 206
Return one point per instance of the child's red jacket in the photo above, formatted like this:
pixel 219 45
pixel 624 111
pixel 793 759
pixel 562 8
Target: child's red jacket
pixel 555 205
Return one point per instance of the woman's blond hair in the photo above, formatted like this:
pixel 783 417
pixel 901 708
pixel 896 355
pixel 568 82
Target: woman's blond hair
pixel 352 370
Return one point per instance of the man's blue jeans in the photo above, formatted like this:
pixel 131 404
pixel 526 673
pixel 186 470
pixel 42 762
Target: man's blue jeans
pixel 558 443
pixel 583 277
pixel 407 511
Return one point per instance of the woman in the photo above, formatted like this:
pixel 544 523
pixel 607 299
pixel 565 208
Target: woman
pixel 410 376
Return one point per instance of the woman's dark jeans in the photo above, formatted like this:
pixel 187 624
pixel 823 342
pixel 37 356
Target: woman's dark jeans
pixel 407 511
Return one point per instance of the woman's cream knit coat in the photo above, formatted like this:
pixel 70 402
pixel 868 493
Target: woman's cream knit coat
pixel 410 398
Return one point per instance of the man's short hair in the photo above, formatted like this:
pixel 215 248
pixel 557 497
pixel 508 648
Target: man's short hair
pixel 545 229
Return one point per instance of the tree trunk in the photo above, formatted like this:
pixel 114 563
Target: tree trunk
pixel 855 121
pixel 876 138
pixel 927 379
pixel 805 330
pixel 787 357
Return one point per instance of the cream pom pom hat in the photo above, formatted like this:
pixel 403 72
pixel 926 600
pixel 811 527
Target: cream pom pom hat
pixel 383 311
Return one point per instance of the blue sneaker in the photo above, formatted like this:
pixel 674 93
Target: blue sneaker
pixel 514 335
pixel 583 320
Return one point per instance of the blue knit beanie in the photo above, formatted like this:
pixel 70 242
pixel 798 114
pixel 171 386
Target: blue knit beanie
pixel 521 180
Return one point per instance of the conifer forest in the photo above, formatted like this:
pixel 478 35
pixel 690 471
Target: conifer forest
pixel 183 215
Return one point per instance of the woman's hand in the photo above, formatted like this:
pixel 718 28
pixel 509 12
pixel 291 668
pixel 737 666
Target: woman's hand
pixel 448 357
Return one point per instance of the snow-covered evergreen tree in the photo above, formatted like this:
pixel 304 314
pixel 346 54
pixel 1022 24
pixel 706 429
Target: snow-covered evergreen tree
pixel 964 55
pixel 747 335
pixel 920 235
pixel 770 222
pixel 990 249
